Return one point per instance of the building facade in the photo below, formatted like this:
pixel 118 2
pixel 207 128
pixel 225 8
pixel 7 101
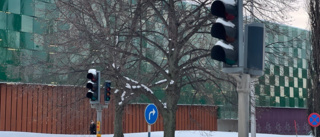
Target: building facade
pixel 21 39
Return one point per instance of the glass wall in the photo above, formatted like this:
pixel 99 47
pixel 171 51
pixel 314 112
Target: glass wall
pixel 21 41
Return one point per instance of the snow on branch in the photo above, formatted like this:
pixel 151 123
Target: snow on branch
pixel 161 81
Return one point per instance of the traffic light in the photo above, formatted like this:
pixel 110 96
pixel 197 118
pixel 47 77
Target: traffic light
pixel 107 93
pixel 93 85
pixel 228 29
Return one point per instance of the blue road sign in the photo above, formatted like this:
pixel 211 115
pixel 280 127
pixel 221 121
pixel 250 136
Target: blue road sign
pixel 151 114
pixel 314 119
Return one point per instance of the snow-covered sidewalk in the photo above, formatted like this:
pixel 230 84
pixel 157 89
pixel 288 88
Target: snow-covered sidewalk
pixel 153 134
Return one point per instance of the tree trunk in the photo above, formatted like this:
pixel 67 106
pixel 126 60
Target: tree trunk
pixel 169 120
pixel 169 113
pixel 118 130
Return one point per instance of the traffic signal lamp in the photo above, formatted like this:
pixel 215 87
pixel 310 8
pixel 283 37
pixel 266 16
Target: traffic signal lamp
pixel 93 85
pixel 226 29
pixel 107 93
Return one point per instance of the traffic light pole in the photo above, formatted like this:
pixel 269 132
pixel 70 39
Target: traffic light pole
pixel 99 107
pixel 243 88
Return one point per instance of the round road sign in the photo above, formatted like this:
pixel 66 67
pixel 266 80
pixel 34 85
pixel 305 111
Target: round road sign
pixel 314 119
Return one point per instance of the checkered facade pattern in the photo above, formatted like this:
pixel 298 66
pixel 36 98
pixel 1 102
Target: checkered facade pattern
pixel 285 81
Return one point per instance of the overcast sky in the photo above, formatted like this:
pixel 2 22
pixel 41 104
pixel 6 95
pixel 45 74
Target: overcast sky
pixel 300 18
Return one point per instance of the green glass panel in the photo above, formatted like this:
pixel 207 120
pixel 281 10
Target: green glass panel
pixel 27 7
pixel 39 26
pixel 38 42
pixel 14 6
pixel 277 91
pixel 276 70
pixel 3 38
pixel 286 71
pixel 303 53
pixel 262 101
pixel 25 57
pixel 261 80
pixel 27 40
pixel 291 102
pixel 12 57
pixel 13 39
pixel 296 92
pixel 27 24
pixel 13 73
pixel 281 80
pixel 3 76
pixel 273 101
pixel 291 81
pixel 286 91
pixel 39 56
pixel 14 22
pixel 267 71
pixel 301 102
pixel 272 80
pixel 40 9
pixel 257 90
pixel 295 72
pixel 3 53
pixel 305 93
pixel 3 20
pixel 299 63
pixel 300 82
pixel 4 5
pixel 267 89
pixel 282 102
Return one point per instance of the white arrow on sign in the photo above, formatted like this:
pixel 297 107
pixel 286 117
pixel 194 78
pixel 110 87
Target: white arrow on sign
pixel 152 112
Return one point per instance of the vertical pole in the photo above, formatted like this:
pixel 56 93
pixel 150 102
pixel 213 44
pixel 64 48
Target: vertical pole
pixel 253 109
pixel 149 130
pixel 253 99
pixel 99 119
pixel 243 88
pixel 241 58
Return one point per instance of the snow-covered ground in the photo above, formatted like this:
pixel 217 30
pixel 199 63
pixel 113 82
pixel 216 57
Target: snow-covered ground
pixel 153 134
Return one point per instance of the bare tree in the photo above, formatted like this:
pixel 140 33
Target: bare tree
pixel 140 45
pixel 314 68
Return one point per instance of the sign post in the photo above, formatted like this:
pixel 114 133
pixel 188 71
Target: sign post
pixel 314 121
pixel 151 116
pixel 98 129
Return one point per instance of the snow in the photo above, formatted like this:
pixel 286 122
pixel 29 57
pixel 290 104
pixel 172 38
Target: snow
pixel 146 88
pixel 114 66
pixel 231 2
pixel 222 44
pixel 116 91
pixel 164 105
pixel 225 23
pixel 144 134
pixel 128 86
pixel 122 97
pixel 131 80
pixel 161 81
pixel 92 71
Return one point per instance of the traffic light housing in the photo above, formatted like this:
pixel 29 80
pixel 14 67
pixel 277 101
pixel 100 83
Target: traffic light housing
pixel 107 93
pixel 93 86
pixel 228 29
